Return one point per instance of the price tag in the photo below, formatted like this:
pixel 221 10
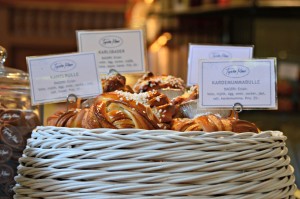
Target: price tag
pixel 249 83
pixel 197 52
pixel 122 50
pixel 54 77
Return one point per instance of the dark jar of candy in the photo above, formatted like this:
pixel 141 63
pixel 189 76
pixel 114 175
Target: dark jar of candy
pixel 17 120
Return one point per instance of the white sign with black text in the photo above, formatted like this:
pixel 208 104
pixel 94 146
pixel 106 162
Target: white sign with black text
pixel 250 83
pixel 121 50
pixel 197 52
pixel 54 77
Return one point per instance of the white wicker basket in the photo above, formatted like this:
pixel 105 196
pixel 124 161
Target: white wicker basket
pixel 63 163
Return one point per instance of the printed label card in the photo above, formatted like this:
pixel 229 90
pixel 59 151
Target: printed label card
pixel 250 83
pixel 121 50
pixel 214 52
pixel 54 77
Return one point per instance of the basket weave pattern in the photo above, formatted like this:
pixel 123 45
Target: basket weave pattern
pixel 75 163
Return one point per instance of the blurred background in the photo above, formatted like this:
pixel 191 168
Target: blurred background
pixel 41 27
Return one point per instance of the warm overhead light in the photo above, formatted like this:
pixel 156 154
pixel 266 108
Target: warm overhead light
pixel 148 1
pixel 160 42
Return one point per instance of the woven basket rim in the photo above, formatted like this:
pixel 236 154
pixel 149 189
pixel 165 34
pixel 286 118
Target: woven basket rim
pixel 163 132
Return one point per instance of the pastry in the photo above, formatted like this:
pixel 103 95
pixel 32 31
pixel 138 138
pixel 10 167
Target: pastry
pixel 119 109
pixel 167 84
pixel 114 81
pixel 211 123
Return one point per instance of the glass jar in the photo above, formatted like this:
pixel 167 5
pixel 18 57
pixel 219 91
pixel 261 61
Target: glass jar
pixel 17 120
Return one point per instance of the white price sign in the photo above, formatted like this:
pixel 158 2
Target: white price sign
pixel 54 77
pixel 122 50
pixel 250 83
pixel 214 52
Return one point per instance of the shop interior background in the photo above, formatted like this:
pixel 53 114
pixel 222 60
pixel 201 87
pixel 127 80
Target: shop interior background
pixel 33 27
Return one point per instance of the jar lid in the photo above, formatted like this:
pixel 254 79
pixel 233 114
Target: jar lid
pixel 14 86
pixel 11 75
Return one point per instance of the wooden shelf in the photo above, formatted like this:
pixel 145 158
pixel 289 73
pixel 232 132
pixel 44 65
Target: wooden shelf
pixel 82 6
pixel 215 9
pixel 34 27
pixel 203 9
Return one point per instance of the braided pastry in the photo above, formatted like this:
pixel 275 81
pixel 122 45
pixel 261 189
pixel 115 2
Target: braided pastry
pixel 211 123
pixel 118 109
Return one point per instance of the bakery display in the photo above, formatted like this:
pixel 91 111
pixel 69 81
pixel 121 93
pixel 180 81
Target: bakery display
pixel 150 145
pixel 149 108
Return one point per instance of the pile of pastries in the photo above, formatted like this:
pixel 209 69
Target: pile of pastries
pixel 154 102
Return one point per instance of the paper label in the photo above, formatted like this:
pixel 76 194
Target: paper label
pixel 122 50
pixel 53 78
pixel 197 52
pixel 251 83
